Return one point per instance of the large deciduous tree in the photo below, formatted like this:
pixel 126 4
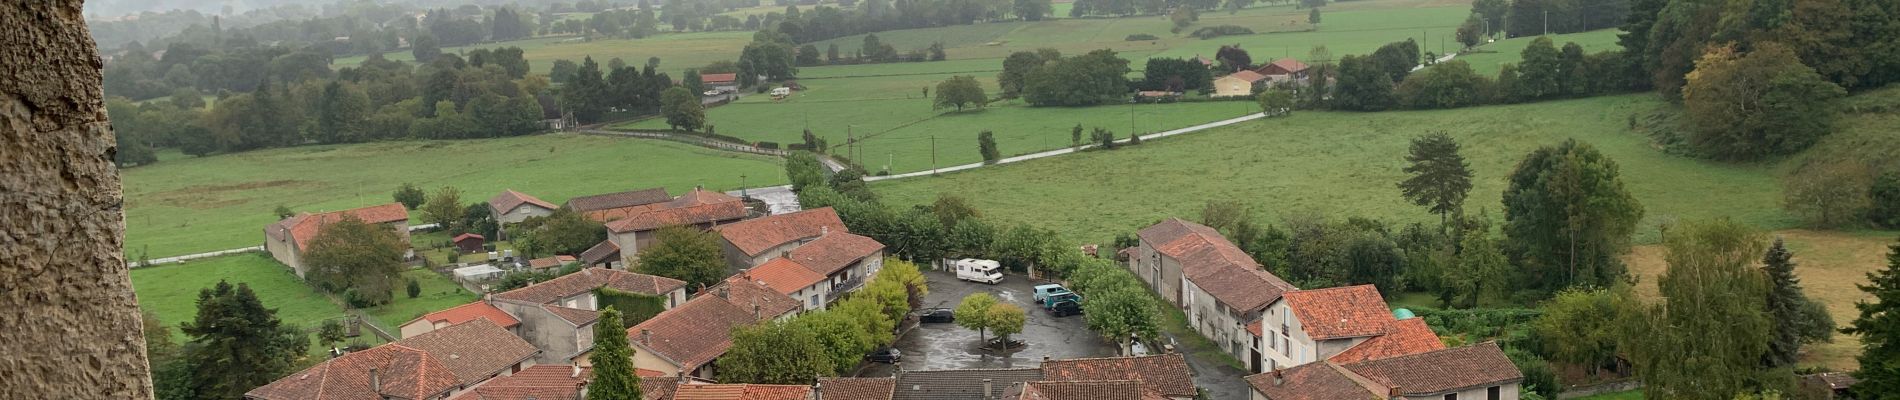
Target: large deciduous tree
pixel 1449 84
pixel 777 352
pixel 1580 326
pixel 1710 287
pixel 1005 319
pixel 614 378
pixel 1089 79
pixel 1440 176
pixel 1878 327
pixel 562 232
pixel 1762 103
pixel 1567 216
pixel 958 92
pixel 410 196
pixel 1017 66
pixel 973 312
pixel 686 254
pixel 1363 85
pixel 682 109
pixel 359 259
pixel 444 208
pixel 235 344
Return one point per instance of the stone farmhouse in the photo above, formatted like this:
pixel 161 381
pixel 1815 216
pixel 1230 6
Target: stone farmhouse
pixel 699 208
pixel 1475 372
pixel 751 243
pixel 439 364
pixel 511 207
pixel 686 340
pixel 287 239
pixel 556 316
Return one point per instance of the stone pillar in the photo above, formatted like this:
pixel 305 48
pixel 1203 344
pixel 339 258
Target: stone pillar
pixel 72 323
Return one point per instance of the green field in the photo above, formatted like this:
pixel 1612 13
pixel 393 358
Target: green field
pixel 1629 395
pixel 677 51
pixel 438 293
pixel 1342 164
pixel 1493 56
pixel 171 291
pixel 192 205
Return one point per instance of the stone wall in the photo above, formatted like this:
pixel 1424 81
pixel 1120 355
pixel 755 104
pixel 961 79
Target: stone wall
pixel 72 320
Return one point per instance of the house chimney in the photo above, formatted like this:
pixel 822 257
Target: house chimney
pixel 375 381
pixel 755 311
pixel 1395 392
pixel 824 230
pixel 986 388
pixel 577 372
pixel 1278 378
pixel 818 391
pixel 646 336
pixel 722 293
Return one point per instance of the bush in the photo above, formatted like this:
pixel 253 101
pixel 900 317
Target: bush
pixel 1538 375
pixel 769 145
pixel 1221 30
pixel 1140 37
pixel 414 288
pixel 1886 196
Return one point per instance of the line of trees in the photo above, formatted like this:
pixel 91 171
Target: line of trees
pixel 830 342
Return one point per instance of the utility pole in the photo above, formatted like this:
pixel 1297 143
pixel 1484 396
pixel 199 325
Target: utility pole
pixel 933 154
pixel 1546 22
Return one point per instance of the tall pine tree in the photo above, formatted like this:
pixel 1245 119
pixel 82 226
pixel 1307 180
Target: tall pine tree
pixel 613 361
pixel 1440 176
pixel 237 344
pixel 1796 319
pixel 1879 330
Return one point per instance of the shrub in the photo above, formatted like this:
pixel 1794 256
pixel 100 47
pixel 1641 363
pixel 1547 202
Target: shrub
pixel 1886 196
pixel 1140 37
pixel 770 145
pixel 1221 30
pixel 1831 194
pixel 414 288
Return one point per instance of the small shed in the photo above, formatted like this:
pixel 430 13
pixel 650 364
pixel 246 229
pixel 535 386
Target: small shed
pixel 469 242
pixel 478 273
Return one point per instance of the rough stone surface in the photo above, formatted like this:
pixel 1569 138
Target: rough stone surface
pixel 71 322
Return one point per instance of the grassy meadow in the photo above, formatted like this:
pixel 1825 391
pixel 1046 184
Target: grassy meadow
pixel 677 51
pixel 192 205
pixel 171 291
pixel 1490 57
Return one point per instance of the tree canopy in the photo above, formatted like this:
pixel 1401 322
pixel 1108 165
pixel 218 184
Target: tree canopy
pixel 235 344
pixel 612 357
pixel 361 260
pixel 686 254
pixel 1567 217
pixel 958 92
pixel 1440 176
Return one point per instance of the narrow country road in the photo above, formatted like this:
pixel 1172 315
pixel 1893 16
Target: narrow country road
pixel 1057 152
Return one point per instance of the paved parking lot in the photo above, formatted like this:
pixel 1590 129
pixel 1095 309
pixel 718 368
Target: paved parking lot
pixel 948 346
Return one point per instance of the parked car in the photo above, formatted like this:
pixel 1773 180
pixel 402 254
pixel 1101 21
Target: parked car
pixel 1066 308
pixel 1041 292
pixel 1134 349
pixel 1048 295
pixel 934 315
pixel 974 270
pixel 886 355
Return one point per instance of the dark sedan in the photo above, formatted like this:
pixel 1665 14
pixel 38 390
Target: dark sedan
pixel 936 315
pixel 1065 308
pixel 886 355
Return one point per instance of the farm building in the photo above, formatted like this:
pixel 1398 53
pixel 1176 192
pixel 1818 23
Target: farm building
pixel 469 242
pixel 1240 83
pixel 287 239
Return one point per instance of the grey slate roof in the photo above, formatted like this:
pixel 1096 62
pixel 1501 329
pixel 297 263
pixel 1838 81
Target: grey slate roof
pixel 959 384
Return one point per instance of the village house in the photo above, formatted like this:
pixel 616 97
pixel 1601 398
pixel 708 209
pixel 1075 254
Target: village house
pixel 686 340
pixel 435 365
pixel 612 206
pixel 603 255
pixel 459 314
pixel 792 280
pixel 749 243
pixel 846 261
pixel 1345 324
pixel 512 207
pixel 558 316
pixel 727 82
pixel 1225 292
pixel 1479 371
pixel 1242 83
pixel 287 239
pixel 1283 70
pixel 699 208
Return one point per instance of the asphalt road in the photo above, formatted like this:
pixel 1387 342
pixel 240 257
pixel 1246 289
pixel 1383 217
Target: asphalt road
pixel 948 346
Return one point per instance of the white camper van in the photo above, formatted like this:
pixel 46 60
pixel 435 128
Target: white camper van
pixel 974 270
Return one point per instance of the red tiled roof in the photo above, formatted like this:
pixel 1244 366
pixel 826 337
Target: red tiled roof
pixel 1401 337
pixel 758 235
pixel 826 255
pixel 746 295
pixel 710 78
pixel 461 237
pixel 551 262
pixel 696 207
pixel 539 382
pixel 1167 374
pixel 658 389
pixel 1322 380
pixel 574 316
pixel 424 366
pixel 1215 265
pixel 742 391
pixel 468 312
pixel 605 251
pixel 1242 288
pixel 587 280
pixel 783 275
pixel 857 388
pixel 691 334
pixel 1248 76
pixel 647 373
pixel 509 199
pixel 1340 312
pixel 1441 371
pixel 304 228
pixel 1281 67
pixel 608 201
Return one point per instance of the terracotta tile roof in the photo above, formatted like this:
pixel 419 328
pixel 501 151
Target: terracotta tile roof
pixel 1322 380
pixel 745 294
pixel 742 391
pixel 467 312
pixel 710 78
pixel 755 236
pixel 605 251
pixel 575 316
pixel 539 382
pixel 783 275
pixel 960 384
pixel 586 280
pixel 701 209
pixel 614 214
pixel 1281 67
pixel 305 227
pixel 1082 390
pixel 826 255
pixel 618 200
pixel 691 334
pixel 1401 337
pixel 551 262
pixel 658 389
pixel 509 199
pixel 473 350
pixel 424 366
pixel 1254 327
pixel 1215 265
pixel 1248 76
pixel 857 388
pixel 1442 371
pixel 647 373
pixel 1340 312
pixel 1167 374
